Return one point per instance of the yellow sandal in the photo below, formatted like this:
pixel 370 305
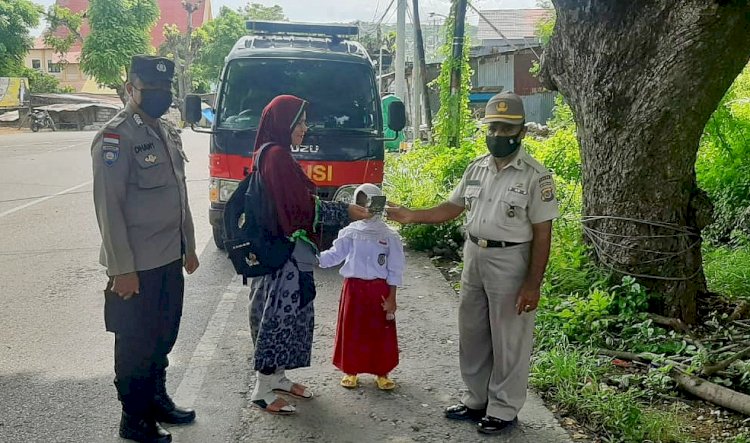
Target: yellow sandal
pixel 385 383
pixel 349 381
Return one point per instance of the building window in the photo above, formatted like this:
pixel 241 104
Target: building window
pixel 53 67
pixel 36 64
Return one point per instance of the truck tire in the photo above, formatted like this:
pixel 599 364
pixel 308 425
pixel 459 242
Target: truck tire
pixel 218 237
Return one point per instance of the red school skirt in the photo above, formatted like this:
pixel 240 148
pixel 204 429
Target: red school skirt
pixel 366 342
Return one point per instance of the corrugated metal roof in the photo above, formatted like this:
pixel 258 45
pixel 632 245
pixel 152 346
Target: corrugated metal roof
pixel 75 107
pixel 513 23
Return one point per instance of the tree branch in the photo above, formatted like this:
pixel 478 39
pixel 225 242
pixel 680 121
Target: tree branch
pixel 720 366
pixel 674 323
pixel 711 392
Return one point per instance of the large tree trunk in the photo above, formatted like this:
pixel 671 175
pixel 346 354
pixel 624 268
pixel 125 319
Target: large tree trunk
pixel 643 77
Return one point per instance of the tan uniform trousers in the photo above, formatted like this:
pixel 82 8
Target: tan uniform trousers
pixel 494 341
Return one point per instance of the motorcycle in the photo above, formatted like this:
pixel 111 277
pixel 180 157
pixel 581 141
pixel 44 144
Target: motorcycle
pixel 41 119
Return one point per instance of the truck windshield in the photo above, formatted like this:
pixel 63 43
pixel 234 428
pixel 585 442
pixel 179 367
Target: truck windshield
pixel 342 95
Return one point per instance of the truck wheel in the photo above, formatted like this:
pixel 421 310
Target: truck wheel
pixel 219 238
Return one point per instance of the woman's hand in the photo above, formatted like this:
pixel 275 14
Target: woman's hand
pixel 357 212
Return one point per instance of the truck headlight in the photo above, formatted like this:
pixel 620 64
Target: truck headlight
pixel 345 194
pixel 219 190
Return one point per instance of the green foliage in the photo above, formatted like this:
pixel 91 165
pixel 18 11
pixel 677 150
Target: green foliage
pixel 219 35
pixel 59 17
pixel 727 270
pixel 574 379
pixel 454 117
pixel 723 164
pixel 119 30
pixel 426 175
pixel 16 18
pixel 41 83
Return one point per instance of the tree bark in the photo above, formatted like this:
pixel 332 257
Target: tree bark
pixel 643 77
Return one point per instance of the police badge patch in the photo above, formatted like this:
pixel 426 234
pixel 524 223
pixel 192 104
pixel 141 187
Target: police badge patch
pixel 548 194
pixel 381 259
pixel 110 154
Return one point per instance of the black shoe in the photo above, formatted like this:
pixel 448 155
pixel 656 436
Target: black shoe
pixel 164 410
pixel 142 429
pixel 462 412
pixel 492 425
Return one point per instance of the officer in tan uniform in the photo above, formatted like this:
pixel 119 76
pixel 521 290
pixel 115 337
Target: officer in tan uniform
pixel 509 199
pixel 140 197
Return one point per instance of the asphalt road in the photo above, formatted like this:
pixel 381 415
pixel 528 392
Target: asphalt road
pixel 56 358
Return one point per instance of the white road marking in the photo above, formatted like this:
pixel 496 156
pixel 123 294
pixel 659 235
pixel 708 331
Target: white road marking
pixel 195 375
pixel 44 199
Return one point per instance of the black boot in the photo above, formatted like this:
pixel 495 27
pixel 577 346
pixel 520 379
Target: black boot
pixel 163 408
pixel 143 429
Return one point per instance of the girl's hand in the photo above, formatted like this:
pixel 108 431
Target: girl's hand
pixel 389 305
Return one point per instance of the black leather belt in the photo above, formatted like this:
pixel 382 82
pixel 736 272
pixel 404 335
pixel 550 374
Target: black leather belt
pixel 482 243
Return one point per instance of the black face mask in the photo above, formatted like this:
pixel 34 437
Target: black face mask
pixel 502 146
pixel 155 102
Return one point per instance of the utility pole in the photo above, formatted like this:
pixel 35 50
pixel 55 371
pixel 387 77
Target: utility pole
pixel 401 50
pixel 419 60
pixel 459 16
pixel 186 82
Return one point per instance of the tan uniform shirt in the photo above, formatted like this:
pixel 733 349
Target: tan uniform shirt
pixel 140 195
pixel 502 205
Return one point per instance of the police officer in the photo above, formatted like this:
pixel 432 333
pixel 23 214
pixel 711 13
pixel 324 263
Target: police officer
pixel 509 200
pixel 141 203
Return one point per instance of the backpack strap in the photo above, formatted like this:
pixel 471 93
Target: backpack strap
pixel 260 151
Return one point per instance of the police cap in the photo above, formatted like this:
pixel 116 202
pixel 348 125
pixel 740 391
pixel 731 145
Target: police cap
pixel 152 69
pixel 505 107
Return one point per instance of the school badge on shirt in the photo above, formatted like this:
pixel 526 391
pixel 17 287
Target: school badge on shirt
pixel 381 259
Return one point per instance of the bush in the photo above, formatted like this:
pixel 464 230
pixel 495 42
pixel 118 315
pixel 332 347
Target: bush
pixel 574 379
pixel 424 177
pixel 723 164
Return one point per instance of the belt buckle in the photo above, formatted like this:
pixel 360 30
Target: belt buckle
pixel 482 243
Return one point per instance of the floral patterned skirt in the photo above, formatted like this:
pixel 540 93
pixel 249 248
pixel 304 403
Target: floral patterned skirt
pixel 282 318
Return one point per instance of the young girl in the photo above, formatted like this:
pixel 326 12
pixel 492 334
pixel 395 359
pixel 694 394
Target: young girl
pixel 374 264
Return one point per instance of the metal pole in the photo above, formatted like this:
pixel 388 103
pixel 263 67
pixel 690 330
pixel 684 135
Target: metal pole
pixel 380 70
pixel 459 15
pixel 419 60
pixel 401 50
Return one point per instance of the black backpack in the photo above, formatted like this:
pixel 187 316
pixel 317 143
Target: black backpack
pixel 253 238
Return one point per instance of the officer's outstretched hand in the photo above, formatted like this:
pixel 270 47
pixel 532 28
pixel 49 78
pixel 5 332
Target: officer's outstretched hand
pixel 398 213
pixel 126 285
pixel 191 262
pixel 527 300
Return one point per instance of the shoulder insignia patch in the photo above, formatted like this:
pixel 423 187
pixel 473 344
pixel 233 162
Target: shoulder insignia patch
pixel 110 138
pixel 110 154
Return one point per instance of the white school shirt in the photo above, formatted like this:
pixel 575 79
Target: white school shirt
pixel 370 250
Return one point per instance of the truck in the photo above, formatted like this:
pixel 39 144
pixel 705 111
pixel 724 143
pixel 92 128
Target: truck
pixel 344 145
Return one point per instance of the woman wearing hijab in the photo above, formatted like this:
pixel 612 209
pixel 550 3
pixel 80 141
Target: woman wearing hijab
pixel 281 308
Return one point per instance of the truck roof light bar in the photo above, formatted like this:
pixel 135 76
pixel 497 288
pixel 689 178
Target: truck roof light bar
pixel 301 29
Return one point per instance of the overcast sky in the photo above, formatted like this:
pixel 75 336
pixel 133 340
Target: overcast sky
pixel 350 10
